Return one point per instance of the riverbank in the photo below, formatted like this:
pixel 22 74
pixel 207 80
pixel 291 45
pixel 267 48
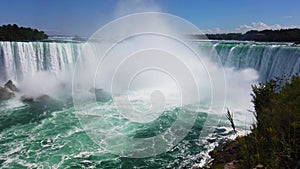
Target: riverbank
pixel 229 156
pixel 274 141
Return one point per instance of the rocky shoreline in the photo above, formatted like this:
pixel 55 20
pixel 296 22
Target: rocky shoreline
pixel 228 156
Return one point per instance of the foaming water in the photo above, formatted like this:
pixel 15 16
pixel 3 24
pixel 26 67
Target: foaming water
pixel 128 89
pixel 151 85
pixel 34 136
pixel 59 141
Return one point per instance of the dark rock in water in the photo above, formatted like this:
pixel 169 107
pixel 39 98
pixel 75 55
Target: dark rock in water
pixel 9 84
pixel 27 99
pixel 45 98
pixel 5 94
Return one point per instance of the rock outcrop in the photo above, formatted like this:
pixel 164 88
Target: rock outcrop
pixel 43 98
pixel 5 94
pixel 228 157
pixel 10 85
pixel 27 99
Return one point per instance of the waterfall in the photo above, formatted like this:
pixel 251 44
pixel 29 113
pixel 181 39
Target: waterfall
pixel 269 60
pixel 23 59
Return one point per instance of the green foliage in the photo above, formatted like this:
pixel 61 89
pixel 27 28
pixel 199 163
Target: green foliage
pixel 283 35
pixel 275 138
pixel 15 33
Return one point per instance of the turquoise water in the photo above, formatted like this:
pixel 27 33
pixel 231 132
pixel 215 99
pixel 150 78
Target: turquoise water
pixel 43 135
pixel 49 134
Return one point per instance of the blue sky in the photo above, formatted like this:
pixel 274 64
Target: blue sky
pixel 84 17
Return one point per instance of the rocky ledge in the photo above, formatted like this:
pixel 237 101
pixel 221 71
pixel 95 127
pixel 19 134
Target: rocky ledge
pixel 7 92
pixel 228 156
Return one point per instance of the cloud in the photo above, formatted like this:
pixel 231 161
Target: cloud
pixel 213 31
pixel 288 17
pixel 262 26
pixel 126 7
pixel 244 28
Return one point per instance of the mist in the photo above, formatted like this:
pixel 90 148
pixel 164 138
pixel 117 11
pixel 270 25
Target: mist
pixel 141 54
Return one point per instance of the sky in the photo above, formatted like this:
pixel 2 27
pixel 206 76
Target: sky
pixel 84 17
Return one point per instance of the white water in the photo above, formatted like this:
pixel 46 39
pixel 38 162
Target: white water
pixel 24 59
pixel 44 67
pixel 32 65
pixel 269 60
pixel 20 60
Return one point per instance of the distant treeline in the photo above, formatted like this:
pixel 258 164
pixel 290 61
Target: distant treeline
pixel 283 35
pixel 15 33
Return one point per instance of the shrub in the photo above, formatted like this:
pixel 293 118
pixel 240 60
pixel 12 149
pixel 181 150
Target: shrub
pixel 275 138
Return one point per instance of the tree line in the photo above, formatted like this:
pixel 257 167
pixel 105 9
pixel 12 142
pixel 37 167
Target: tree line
pixel 282 35
pixel 15 33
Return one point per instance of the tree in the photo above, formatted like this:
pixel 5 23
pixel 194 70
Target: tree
pixel 15 33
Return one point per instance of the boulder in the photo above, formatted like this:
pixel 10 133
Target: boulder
pixel 5 94
pixel 10 85
pixel 27 99
pixel 45 98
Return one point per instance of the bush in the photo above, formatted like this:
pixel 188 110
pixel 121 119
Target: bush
pixel 275 138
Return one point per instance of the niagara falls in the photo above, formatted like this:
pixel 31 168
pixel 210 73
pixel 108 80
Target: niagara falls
pixel 149 84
